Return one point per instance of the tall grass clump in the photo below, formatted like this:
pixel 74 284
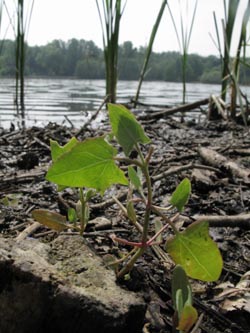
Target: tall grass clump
pixel 224 46
pixel 2 4
pixel 149 49
pixel 21 30
pixel 184 36
pixel 230 66
pixel 1 12
pixel 110 13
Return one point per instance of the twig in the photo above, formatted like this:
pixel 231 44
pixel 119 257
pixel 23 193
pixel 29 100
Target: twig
pixel 241 220
pixel 165 113
pixel 178 169
pixel 69 121
pixel 93 116
pixel 215 159
pixel 28 231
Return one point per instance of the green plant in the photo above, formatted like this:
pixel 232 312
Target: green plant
pixel 93 164
pixel 230 67
pixel 20 32
pixel 185 314
pixel 110 18
pixel 184 41
pixel 149 49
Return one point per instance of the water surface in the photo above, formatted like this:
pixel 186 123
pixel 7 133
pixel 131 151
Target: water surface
pixel 50 100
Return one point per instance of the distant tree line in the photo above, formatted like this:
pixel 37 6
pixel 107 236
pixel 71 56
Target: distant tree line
pixel 83 59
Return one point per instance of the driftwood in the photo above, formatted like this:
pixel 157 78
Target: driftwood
pixel 217 160
pixel 20 177
pixel 241 220
pixel 169 112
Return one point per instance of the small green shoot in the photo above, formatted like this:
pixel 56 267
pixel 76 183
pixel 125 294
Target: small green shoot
pixel 185 314
pixel 134 178
pixel 181 195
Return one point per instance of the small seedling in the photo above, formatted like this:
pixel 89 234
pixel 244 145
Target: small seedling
pixel 93 165
pixel 185 314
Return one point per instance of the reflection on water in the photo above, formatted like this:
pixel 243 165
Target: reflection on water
pixel 52 99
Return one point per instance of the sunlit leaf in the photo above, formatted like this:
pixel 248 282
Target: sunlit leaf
pixel 188 317
pixel 196 252
pixel 50 219
pixel 57 150
pixel 135 180
pixel 127 130
pixel 181 195
pixel 88 164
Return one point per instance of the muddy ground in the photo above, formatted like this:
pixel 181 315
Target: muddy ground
pixel 216 191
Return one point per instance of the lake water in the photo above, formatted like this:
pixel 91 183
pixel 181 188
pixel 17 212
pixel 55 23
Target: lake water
pixel 50 100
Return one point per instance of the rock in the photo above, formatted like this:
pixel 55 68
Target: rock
pixel 62 287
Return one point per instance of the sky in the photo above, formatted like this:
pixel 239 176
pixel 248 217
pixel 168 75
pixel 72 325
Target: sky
pixel 64 19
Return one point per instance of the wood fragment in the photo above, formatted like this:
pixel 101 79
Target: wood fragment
pixel 241 220
pixel 5 182
pixel 177 169
pixel 169 112
pixel 215 159
pixel 28 231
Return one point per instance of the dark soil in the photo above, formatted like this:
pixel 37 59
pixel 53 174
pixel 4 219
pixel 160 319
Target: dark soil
pixel 225 305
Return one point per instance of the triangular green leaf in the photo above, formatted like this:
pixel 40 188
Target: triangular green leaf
pixel 88 164
pixel 181 195
pixel 57 150
pixel 196 252
pixel 127 130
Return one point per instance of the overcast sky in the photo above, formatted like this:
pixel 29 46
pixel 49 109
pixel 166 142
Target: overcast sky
pixel 64 19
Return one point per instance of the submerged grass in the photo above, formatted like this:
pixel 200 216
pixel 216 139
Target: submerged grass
pixel 149 48
pixel 21 31
pixel 231 67
pixel 184 37
pixel 110 13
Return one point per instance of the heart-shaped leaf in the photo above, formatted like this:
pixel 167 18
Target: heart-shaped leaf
pixel 125 127
pixel 50 219
pixel 196 252
pixel 88 164
pixel 181 195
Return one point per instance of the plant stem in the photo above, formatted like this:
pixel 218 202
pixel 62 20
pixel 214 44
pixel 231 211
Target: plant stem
pixel 149 49
pixel 129 161
pixel 145 171
pixel 127 268
pixel 165 218
pixel 83 208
